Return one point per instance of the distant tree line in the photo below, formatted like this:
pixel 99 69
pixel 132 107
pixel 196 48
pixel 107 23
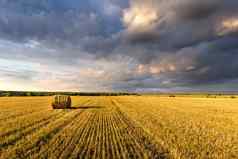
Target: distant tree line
pixel 22 93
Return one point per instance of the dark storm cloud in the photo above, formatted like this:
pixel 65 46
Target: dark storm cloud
pixel 219 60
pixel 197 10
pixel 190 25
pixel 69 21
pixel 69 27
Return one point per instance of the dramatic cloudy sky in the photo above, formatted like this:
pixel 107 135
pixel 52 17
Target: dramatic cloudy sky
pixel 119 45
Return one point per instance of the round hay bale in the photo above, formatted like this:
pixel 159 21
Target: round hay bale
pixel 61 102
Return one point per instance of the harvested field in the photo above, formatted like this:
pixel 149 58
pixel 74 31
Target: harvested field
pixel 188 127
pixel 119 127
pixel 94 128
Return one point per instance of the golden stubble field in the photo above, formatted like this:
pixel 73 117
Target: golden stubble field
pixel 119 127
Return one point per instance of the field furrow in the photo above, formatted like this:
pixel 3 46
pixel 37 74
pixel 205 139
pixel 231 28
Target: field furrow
pixel 33 142
pixel 16 115
pixel 72 147
pixel 9 127
pixel 108 134
pixel 12 137
pixel 65 138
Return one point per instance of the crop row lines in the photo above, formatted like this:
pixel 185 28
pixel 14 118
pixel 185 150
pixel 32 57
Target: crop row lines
pixel 34 141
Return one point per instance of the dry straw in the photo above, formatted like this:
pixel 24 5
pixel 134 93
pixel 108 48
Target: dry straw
pixel 61 102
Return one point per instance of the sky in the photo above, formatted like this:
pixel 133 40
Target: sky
pixel 119 45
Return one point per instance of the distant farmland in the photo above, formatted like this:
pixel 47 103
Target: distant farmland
pixel 119 127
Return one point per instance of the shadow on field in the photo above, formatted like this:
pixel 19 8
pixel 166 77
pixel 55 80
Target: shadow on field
pixel 87 107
